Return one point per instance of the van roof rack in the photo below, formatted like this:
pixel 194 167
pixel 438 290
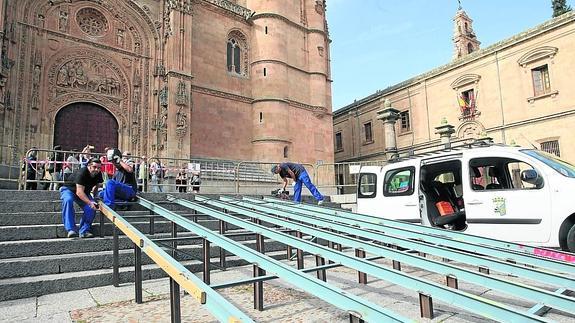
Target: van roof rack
pixel 437 148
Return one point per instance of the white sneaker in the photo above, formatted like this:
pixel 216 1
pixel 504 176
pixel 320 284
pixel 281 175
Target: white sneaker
pixel 320 202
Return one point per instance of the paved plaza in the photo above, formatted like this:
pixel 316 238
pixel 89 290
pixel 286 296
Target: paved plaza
pixel 282 302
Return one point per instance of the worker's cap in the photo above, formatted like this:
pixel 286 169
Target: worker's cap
pixel 275 169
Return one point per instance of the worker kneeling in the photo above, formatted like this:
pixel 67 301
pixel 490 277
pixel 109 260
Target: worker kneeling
pixel 123 186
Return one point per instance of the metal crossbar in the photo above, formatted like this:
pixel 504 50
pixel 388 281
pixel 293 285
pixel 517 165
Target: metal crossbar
pixel 222 309
pixel 493 247
pixel 402 238
pixel 364 309
pixel 458 298
pixel 530 293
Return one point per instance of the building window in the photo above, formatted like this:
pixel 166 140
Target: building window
pixel 469 48
pixel 367 132
pixel 285 151
pixel 338 142
pixel 405 122
pixel 467 103
pixel 541 82
pixel 237 56
pixel 551 147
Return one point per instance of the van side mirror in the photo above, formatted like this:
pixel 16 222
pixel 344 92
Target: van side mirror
pixel 532 177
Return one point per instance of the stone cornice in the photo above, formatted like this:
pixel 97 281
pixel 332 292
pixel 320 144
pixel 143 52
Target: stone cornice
pixel 83 41
pixel 554 23
pixel 227 8
pixel 180 75
pixel 318 110
pixel 289 22
pixel 275 61
pixel 221 94
pixel 271 140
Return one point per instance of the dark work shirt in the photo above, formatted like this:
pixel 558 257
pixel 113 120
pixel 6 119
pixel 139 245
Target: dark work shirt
pixel 297 169
pixel 82 176
pixel 125 177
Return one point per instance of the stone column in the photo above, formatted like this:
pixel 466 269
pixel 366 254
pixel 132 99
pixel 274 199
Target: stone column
pixel 389 116
pixel 445 131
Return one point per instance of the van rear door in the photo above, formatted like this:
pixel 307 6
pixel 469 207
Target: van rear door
pixel 401 193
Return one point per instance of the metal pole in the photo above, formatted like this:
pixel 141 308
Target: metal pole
pixel 206 247
pixel 175 309
pixel 299 252
pixel 259 285
pixel 222 250
pixel 138 273
pixel 116 258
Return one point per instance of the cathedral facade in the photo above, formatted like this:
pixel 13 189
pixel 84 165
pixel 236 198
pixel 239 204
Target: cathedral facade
pixel 224 79
pixel 517 91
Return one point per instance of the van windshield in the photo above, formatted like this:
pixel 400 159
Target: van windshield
pixel 561 166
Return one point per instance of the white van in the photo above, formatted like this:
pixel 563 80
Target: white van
pixel 495 191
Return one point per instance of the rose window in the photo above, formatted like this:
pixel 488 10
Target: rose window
pixel 92 21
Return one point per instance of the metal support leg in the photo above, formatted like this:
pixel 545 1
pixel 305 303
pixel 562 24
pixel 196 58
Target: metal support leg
pixel 362 276
pixel 152 225
pixel 299 252
pixel 396 265
pixel 330 245
pixel 222 250
pixel 259 286
pixel 173 252
pixel 320 261
pixel 426 306
pixel 452 281
pixel 484 270
pixel 206 248
pixel 102 217
pixel 175 309
pixel 355 319
pixel 138 273
pixel 289 250
pixel 115 258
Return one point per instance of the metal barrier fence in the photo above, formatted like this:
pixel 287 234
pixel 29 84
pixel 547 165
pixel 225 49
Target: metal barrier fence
pixel 163 174
pixel 254 177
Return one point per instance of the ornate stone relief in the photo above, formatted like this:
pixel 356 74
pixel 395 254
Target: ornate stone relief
pixel 87 75
pixel 232 7
pixel 470 130
pixel 182 114
pixel 92 22
pixel 320 6
pixel 63 20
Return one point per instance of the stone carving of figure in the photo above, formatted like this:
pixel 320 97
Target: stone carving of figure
pixel 41 20
pixel 81 78
pixel 164 118
pixel 181 96
pixel 181 119
pixel 137 47
pixel 2 88
pixel 63 21
pixel 120 37
pixel 164 96
pixel 35 86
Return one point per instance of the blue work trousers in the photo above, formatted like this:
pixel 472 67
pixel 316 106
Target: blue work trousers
pixel 116 191
pixel 304 178
pixel 68 214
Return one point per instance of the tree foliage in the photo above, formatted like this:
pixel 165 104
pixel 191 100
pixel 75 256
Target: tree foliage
pixel 559 7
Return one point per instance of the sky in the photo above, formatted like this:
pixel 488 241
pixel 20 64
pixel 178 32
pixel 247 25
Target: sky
pixel 379 43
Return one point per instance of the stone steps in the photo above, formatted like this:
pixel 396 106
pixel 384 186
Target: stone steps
pixel 30 286
pixel 36 258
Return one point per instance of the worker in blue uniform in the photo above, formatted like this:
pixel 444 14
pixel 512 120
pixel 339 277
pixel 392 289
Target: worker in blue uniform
pixel 84 181
pixel 299 175
pixel 123 186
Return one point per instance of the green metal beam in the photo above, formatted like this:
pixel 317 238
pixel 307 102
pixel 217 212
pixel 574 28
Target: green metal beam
pixel 493 247
pixel 437 250
pixel 222 310
pixel 455 297
pixel 519 290
pixel 351 303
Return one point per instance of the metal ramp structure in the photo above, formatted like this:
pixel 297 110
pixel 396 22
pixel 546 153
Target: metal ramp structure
pixel 334 237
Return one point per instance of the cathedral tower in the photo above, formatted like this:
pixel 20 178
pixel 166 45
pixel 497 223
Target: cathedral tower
pixel 464 40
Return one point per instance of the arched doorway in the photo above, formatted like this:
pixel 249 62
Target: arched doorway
pixel 81 124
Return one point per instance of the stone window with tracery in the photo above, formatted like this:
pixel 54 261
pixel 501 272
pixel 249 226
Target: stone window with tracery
pixel 237 54
pixel 92 21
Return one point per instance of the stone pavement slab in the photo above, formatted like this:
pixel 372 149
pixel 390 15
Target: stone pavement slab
pixel 18 309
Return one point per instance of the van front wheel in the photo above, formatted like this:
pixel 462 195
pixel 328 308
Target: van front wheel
pixel 571 239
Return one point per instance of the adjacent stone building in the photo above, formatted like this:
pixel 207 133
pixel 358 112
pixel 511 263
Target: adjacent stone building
pixel 226 79
pixel 519 90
